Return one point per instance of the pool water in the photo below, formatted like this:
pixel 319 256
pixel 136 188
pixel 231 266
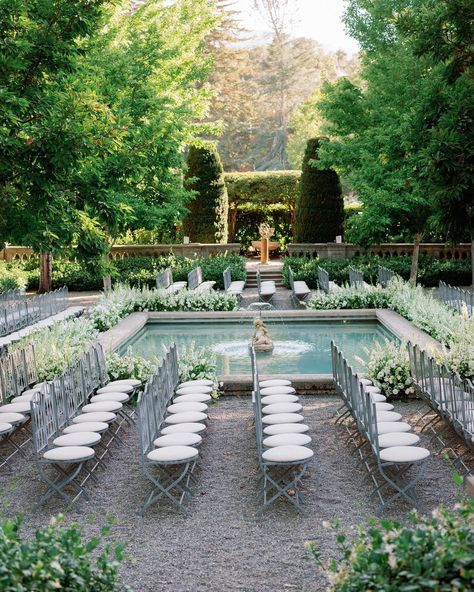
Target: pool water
pixel 300 347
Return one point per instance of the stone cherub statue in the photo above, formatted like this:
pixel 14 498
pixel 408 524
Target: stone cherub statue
pixel 261 340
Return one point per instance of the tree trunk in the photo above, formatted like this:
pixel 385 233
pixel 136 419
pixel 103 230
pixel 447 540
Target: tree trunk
pixel 46 271
pixel 232 223
pixel 415 258
pixel 472 261
pixel 107 279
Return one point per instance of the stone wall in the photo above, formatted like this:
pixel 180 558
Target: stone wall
pixel 347 251
pixel 13 253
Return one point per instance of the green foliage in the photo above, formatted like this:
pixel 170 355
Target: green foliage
pixel 250 217
pixel 58 558
pixel 431 271
pixel 137 271
pixel 432 552
pixel 319 207
pixel 12 277
pixel 208 211
pixel 402 138
pixel 351 298
pixel 198 363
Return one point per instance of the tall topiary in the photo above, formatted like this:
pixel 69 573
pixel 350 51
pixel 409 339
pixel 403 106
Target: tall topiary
pixel 319 206
pixel 207 218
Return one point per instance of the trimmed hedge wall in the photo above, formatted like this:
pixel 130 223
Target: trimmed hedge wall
pixel 266 187
pixel 431 270
pixel 137 271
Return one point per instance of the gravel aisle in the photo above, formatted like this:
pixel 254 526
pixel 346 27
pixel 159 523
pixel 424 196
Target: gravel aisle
pixel 221 546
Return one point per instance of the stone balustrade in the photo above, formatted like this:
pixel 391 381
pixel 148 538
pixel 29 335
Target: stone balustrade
pixel 193 250
pixel 387 250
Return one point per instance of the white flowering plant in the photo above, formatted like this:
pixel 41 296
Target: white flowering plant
pixel 197 363
pixel 131 365
pixel 430 552
pixel 350 298
pixel 60 345
pixel 388 367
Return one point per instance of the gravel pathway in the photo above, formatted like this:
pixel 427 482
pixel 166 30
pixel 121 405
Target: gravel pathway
pixel 221 545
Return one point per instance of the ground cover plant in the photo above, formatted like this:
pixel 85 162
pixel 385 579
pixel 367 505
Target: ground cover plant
pixel 431 270
pixel 58 558
pixel 432 552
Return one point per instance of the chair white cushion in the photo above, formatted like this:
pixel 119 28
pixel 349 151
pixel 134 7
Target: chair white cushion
pixel 33 389
pixel 13 418
pixel 70 453
pixel 196 397
pixel 378 398
pixel 267 289
pixel 288 454
pixel 22 407
pixel 286 428
pixel 398 439
pixel 282 408
pixel 365 381
pixel 388 427
pixel 183 407
pixel 118 397
pixel 88 426
pixel 277 390
pixel 178 439
pixel 78 439
pixel 126 381
pixel 23 398
pixel 188 417
pixel 388 416
pixel 197 382
pixel 115 388
pixel 384 406
pixel 282 418
pixel 101 416
pixel 5 427
pixel 286 440
pixel 270 399
pixel 274 382
pixel 404 454
pixel 102 406
pixel 372 389
pixel 171 454
pixel 179 428
pixel 191 390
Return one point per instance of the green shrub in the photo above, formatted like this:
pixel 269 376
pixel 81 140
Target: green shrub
pixel 250 216
pixel 57 558
pixel 263 187
pixel 429 553
pixel 431 270
pixel 12 277
pixel 320 205
pixel 137 271
pixel 208 210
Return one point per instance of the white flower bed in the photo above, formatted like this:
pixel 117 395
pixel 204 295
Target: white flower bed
pixel 389 368
pixel 124 300
pixel 455 331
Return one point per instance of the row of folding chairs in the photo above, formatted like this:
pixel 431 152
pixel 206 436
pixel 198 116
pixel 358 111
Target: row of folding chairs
pixel 450 398
pixel 457 298
pixel 26 311
pixel 386 445
pixel 172 420
pixel 282 439
pixel 11 296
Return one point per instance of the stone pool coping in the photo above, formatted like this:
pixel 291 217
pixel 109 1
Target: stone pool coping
pixel 241 384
